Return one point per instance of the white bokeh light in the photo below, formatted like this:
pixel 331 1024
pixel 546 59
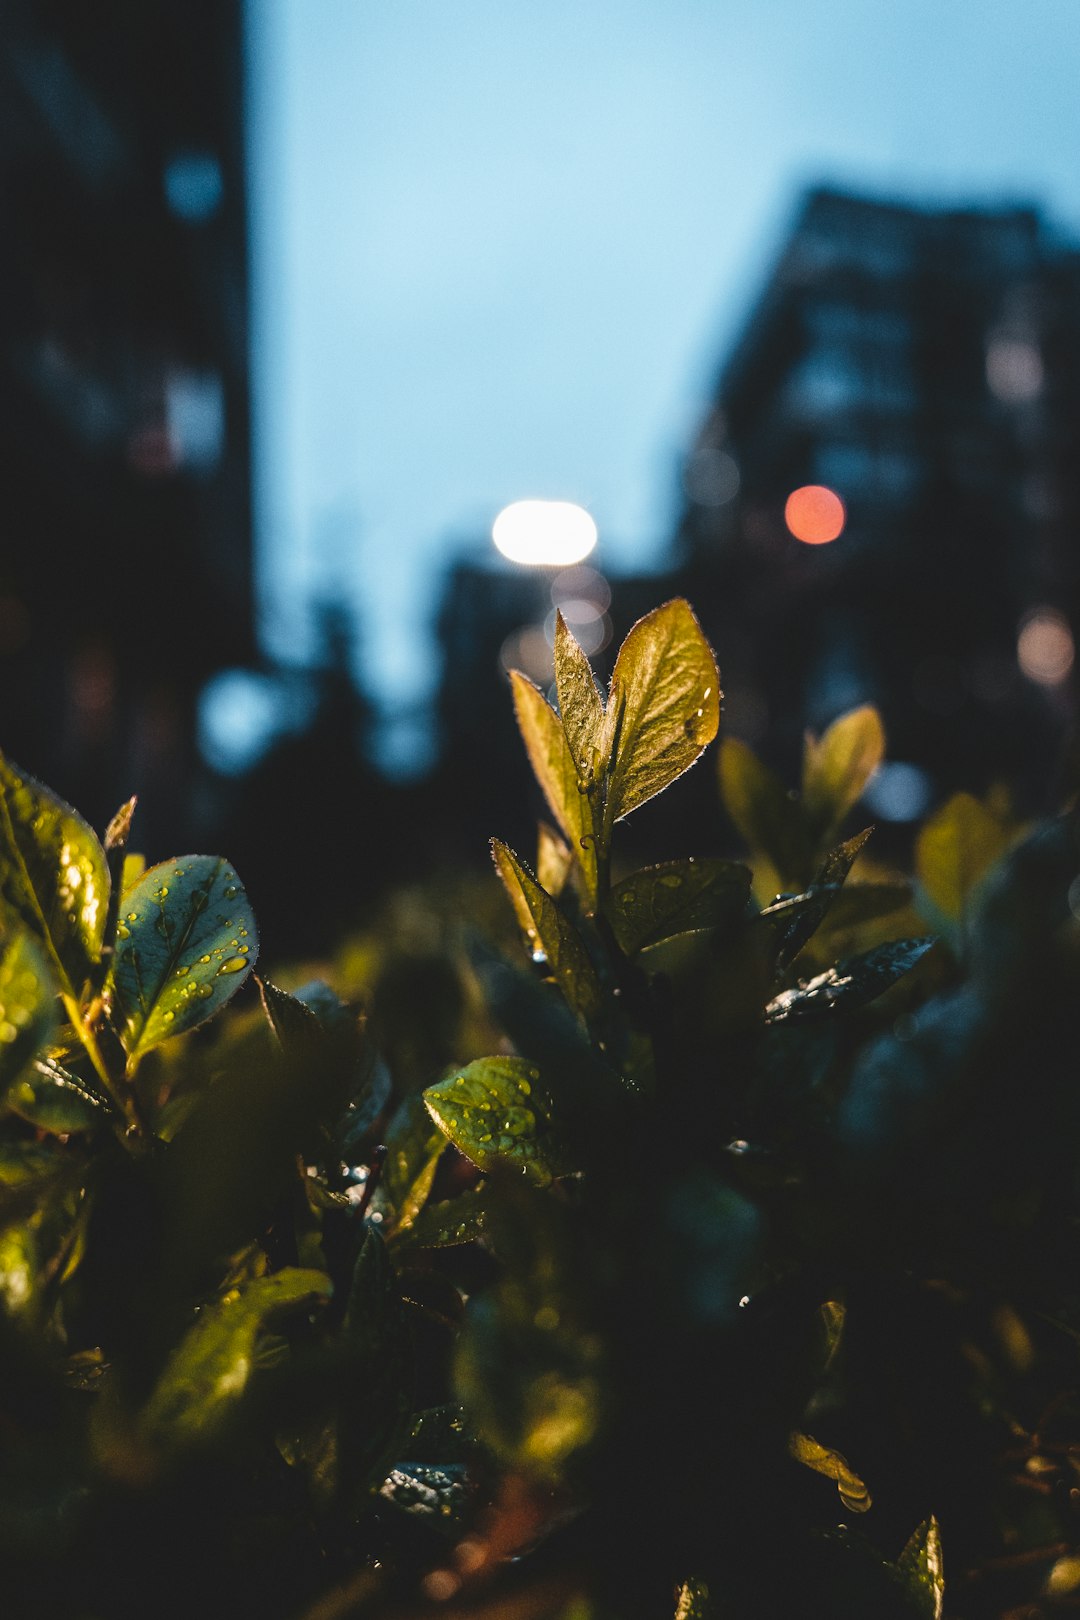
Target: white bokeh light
pixel 544 534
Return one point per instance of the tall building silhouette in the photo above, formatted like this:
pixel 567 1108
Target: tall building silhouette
pixel 923 364
pixel 125 567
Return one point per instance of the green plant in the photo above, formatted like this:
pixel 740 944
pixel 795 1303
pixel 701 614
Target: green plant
pixel 765 1206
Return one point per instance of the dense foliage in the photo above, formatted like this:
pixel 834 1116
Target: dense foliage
pixel 719 1258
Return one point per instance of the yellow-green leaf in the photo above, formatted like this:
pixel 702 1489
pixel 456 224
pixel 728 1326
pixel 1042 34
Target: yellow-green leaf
pixel 496 1112
pixel 550 935
pixel 922 1571
pixel 27 1007
pixel 554 860
pixel 553 764
pixel 837 767
pixel 579 701
pixel 663 709
pixel 186 941
pixel 54 876
pixel 677 897
pixel 955 850
pixel 824 1460
pixel 767 816
pixel 209 1370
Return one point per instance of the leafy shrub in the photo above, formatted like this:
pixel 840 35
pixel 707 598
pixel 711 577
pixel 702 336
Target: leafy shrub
pixel 763 1201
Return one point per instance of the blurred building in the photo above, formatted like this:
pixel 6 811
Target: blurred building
pixel 924 365
pixel 125 566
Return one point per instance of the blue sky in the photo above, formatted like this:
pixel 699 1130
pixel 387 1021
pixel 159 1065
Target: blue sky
pixel 500 248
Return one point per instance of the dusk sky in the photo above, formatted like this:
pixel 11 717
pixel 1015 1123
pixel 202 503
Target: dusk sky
pixel 500 250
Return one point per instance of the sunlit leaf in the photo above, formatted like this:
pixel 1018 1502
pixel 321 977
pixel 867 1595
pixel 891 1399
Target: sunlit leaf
pixel 564 787
pixel 954 851
pixel 209 1371
pixel 768 817
pixel 663 709
pixel 554 860
pixel 837 767
pixel 851 984
pixel 550 935
pixel 185 944
pixel 55 1100
pixel 676 898
pixel 580 707
pixel 922 1571
pixel 27 1006
pixel 53 876
pixel 823 1460
pixel 692 1601
pixel 496 1112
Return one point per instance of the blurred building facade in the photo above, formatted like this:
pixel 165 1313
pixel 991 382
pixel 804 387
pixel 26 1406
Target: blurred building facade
pixel 125 569
pixel 923 364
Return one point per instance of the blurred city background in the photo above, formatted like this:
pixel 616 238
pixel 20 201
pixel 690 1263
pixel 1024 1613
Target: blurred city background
pixel 773 305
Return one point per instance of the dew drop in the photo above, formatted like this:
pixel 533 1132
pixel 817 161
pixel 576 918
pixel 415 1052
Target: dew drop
pixel 231 892
pixel 8 1032
pixel 133 916
pixel 204 958
pixel 233 964
pixel 123 931
pixel 204 991
pixel 183 971
pixel 169 1016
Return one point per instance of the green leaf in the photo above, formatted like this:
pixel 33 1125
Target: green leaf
pixel 25 1162
pixel 797 919
pixel 529 1367
pixel 837 767
pixel 27 1006
pixel 447 1224
pixel 49 1097
pixel 550 935
pixel 851 984
pixel 553 764
pixel 496 1113
pixel 663 709
pixel 208 1372
pixel 769 818
pixel 185 944
pixel 377 1404
pixel 296 1028
pixel 413 1149
pixel 20 1263
pixel 921 1570
pixel 580 707
pixel 823 1460
pixel 955 850
pixel 53 876
pixel 677 897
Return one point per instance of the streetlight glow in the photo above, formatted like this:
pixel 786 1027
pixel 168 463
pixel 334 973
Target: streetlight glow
pixel 545 534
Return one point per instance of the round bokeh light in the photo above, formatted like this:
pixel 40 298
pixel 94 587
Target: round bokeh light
pixel 544 534
pixel 814 514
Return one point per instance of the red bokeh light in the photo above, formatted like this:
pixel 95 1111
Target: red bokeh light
pixel 814 514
